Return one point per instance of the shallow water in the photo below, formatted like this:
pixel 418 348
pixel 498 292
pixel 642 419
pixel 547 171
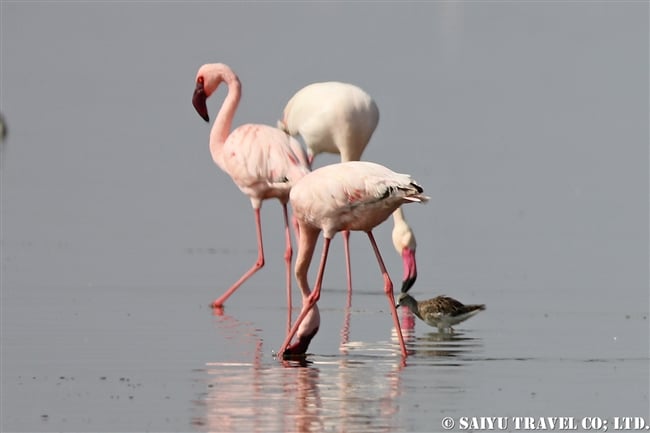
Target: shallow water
pixel 156 359
pixel 526 123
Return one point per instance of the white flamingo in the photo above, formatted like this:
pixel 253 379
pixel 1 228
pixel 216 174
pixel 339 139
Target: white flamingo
pixel 354 195
pixel 336 117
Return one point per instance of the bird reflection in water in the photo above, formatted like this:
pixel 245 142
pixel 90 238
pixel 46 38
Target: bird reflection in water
pixel 257 393
pixel 434 344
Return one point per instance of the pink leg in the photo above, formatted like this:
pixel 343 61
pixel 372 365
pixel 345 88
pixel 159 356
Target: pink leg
pixel 256 267
pixel 288 254
pixel 296 226
pixel 308 304
pixel 388 288
pixel 345 331
pixel 348 268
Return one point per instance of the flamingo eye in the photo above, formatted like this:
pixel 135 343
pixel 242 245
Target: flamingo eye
pixel 199 80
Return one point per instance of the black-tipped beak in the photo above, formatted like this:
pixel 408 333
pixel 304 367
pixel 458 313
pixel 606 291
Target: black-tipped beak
pixel 299 348
pixel 408 283
pixel 410 269
pixel 198 100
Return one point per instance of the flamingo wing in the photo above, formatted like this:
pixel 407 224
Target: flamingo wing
pixel 264 161
pixel 354 195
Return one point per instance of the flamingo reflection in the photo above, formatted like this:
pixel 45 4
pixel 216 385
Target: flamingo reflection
pixel 319 394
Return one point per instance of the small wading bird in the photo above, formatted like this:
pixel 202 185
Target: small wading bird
pixel 441 312
pixel 336 117
pixel 353 195
pixel 263 161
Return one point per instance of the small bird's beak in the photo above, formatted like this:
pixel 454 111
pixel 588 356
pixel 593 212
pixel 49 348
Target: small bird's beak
pixel 410 269
pixel 198 100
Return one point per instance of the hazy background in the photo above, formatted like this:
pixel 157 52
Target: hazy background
pixel 526 123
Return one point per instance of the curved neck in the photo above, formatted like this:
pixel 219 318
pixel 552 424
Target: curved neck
pixel 307 240
pixel 223 122
pixel 398 215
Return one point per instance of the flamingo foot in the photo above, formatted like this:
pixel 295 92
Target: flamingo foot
pixel 299 348
pixel 217 309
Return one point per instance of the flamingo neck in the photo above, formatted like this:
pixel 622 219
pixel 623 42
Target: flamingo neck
pixel 223 122
pixel 306 245
pixel 398 215
pixel 403 236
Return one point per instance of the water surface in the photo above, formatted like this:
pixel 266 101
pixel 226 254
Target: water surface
pixel 526 123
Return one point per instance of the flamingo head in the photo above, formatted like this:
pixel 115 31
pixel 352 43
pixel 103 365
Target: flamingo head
pixel 410 269
pixel 307 330
pixel 208 78
pixel 405 245
pixel 199 99
pixel 299 348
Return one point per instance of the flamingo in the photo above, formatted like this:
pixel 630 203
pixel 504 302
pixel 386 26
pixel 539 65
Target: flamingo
pixel 355 195
pixel 264 162
pixel 337 117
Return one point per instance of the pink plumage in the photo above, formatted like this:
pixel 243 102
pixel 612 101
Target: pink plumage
pixel 264 162
pixel 353 195
pixel 335 117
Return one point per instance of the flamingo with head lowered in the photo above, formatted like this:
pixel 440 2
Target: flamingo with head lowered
pixel 264 162
pixel 354 195
pixel 335 117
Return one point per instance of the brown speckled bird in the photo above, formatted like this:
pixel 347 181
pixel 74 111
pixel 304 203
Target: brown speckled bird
pixel 441 312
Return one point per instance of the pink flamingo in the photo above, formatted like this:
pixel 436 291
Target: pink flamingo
pixel 336 117
pixel 264 162
pixel 354 195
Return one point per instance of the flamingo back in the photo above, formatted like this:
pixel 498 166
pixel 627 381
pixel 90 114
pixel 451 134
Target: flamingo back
pixel 356 195
pixel 264 162
pixel 332 117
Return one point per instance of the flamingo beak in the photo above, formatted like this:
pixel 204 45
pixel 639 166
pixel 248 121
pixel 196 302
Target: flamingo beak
pixel 299 348
pixel 198 100
pixel 410 269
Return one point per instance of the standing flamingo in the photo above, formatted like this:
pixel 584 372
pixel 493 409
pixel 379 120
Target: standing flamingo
pixel 355 195
pixel 264 162
pixel 336 117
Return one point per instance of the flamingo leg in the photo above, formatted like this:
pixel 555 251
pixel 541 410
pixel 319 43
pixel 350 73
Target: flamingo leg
pixel 310 301
pixel 296 227
pixel 345 330
pixel 348 268
pixel 388 289
pixel 259 263
pixel 288 254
